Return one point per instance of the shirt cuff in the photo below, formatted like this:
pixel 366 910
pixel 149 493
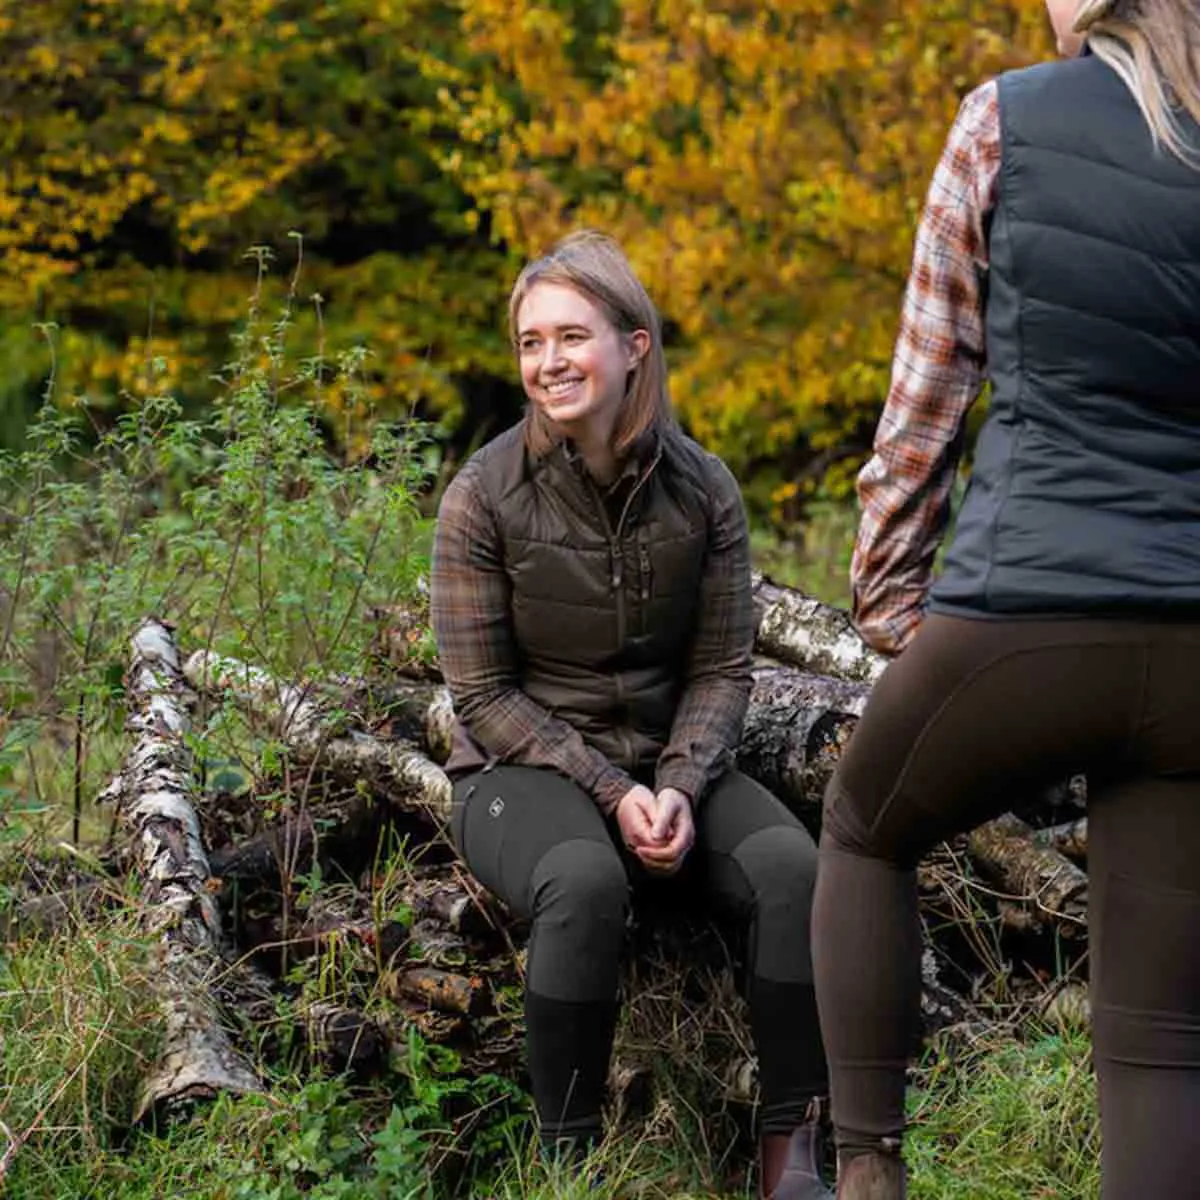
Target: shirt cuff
pixel 611 784
pixel 687 777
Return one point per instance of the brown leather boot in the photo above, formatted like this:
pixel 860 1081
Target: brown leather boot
pixel 789 1164
pixel 876 1176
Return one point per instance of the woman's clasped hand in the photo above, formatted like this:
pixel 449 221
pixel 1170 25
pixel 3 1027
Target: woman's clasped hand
pixel 658 829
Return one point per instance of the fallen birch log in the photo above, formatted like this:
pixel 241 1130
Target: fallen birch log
pixel 385 736
pixel 153 797
pixel 1069 838
pixel 816 637
pixel 398 770
pixel 1043 880
pixel 796 728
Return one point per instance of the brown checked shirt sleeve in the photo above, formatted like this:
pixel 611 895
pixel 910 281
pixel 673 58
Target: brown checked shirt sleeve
pixel 717 681
pixel 937 372
pixel 471 610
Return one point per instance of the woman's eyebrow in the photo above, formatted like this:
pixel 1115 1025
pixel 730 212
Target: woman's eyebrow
pixel 566 327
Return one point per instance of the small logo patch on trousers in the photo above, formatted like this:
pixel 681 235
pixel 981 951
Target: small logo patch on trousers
pixel 496 807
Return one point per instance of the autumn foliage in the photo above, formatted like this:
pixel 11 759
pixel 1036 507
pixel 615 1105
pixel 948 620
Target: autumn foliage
pixel 762 163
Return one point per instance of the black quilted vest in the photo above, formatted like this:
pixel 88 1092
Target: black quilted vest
pixel 1085 491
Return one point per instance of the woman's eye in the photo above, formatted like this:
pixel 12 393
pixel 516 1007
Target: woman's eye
pixel 528 347
pixel 573 339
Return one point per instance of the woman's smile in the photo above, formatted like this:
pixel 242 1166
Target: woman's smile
pixel 561 388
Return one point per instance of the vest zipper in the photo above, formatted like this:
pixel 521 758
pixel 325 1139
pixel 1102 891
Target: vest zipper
pixel 618 586
pixel 616 558
pixel 633 491
pixel 616 561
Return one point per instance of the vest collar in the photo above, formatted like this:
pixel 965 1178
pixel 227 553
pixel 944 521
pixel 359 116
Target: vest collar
pixel 641 456
pixel 565 471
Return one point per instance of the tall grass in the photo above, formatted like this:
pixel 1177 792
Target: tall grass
pixel 78 1028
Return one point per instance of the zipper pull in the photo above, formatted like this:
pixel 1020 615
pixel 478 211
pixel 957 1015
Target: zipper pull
pixel 644 563
pixel 618 570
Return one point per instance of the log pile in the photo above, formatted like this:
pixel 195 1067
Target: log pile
pixel 330 880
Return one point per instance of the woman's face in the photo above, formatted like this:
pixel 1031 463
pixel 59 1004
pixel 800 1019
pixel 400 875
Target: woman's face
pixel 1062 17
pixel 574 363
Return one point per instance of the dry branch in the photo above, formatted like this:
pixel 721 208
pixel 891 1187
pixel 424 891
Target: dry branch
pixel 153 794
pixel 443 991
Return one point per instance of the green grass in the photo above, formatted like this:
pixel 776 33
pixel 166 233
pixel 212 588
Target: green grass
pixel 1009 1117
pixel 77 1030
pixel 1008 1120
pixel 814 557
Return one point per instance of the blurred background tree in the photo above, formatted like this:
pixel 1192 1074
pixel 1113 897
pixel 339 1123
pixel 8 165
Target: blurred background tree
pixel 145 147
pixel 764 166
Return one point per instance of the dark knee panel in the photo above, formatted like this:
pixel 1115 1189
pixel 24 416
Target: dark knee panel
pixel 579 897
pixel 780 866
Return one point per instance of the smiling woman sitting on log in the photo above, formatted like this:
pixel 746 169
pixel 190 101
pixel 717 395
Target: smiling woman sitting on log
pixel 591 597
pixel 1063 635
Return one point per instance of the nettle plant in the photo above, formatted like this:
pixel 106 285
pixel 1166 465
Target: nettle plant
pixel 242 527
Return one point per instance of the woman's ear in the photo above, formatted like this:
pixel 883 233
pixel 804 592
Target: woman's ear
pixel 638 346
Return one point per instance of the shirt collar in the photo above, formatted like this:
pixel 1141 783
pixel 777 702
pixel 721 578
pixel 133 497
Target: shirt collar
pixel 640 455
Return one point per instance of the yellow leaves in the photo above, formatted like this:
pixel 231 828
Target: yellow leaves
pixel 268 156
pixel 143 368
pixel 42 58
pixel 165 127
pixel 766 166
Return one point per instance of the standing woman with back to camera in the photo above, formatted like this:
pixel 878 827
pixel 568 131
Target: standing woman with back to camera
pixel 592 605
pixel 1059 254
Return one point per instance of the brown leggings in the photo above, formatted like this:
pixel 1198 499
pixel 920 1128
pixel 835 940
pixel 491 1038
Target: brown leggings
pixel 972 716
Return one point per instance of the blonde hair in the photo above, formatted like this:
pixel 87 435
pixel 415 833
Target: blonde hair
pixel 596 267
pixel 1154 46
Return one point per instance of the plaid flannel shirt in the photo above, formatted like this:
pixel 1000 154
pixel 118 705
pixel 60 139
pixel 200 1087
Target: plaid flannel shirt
pixel 937 372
